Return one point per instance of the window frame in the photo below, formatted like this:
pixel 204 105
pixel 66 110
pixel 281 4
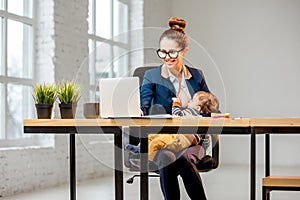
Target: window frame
pixel 94 38
pixel 5 80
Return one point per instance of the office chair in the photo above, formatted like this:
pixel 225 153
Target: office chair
pixel 207 163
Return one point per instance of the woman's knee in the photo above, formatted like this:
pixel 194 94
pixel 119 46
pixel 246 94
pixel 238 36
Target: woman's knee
pixel 191 155
pixel 184 159
pixel 164 157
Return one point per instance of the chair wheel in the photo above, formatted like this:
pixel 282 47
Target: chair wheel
pixel 130 180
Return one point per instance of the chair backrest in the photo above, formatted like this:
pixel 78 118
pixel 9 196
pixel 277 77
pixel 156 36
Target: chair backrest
pixel 140 71
pixel 208 163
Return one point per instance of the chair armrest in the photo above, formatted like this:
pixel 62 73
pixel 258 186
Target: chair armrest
pixel 215 149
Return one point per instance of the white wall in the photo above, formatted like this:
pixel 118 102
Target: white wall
pixel 156 15
pixel 255 45
pixel 254 66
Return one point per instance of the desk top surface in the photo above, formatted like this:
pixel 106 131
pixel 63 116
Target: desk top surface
pixel 199 122
pixel 175 122
pixel 275 122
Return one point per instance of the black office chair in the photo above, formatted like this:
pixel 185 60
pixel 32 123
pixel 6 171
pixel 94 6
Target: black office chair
pixel 207 163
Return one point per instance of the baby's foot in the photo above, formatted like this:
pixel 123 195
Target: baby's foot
pixel 132 148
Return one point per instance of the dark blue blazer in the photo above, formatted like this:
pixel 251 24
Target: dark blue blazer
pixel 157 90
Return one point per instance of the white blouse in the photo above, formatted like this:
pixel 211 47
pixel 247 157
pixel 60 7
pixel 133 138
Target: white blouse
pixel 181 89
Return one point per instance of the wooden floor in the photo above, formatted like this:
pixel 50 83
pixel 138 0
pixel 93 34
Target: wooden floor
pixel 227 182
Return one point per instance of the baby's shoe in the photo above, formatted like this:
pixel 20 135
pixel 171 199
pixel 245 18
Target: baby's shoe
pixel 133 148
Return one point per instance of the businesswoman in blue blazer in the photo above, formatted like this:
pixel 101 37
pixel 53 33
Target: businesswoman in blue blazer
pixel 174 79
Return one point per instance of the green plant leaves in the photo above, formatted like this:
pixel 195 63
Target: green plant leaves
pixel 45 93
pixel 68 92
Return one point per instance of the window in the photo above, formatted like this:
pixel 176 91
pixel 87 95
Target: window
pixel 16 68
pixel 108 40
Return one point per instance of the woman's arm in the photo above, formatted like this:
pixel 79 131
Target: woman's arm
pixel 146 93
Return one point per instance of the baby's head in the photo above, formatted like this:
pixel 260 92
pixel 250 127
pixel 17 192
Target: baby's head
pixel 204 102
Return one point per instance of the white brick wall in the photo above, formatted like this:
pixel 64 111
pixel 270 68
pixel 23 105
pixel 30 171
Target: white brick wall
pixel 44 43
pixel 24 170
pixel 136 34
pixel 71 43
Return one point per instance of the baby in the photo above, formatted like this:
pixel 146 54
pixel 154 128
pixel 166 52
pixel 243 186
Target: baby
pixel 202 104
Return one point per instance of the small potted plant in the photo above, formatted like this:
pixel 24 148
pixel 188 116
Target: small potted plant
pixel 68 93
pixel 44 96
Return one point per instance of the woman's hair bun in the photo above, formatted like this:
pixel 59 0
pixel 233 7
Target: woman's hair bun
pixel 177 24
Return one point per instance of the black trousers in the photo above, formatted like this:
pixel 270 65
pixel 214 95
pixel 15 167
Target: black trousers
pixel 170 165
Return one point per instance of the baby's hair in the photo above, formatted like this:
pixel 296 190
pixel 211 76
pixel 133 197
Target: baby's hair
pixel 208 102
pixel 176 32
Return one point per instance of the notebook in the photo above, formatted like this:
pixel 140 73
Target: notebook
pixel 119 97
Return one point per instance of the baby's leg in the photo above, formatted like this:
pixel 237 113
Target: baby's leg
pixel 179 143
pixel 158 143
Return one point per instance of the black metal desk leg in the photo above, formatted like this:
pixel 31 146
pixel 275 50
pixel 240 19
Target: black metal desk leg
pixel 253 165
pixel 118 164
pixel 265 193
pixel 144 166
pixel 267 146
pixel 267 170
pixel 72 167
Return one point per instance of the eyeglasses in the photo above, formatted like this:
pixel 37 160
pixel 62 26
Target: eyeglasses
pixel 172 53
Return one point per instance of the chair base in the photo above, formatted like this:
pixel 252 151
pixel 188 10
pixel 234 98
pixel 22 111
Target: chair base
pixel 131 179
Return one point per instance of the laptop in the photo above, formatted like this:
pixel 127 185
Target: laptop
pixel 120 98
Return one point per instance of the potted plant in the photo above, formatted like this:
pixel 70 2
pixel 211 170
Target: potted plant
pixel 68 94
pixel 44 96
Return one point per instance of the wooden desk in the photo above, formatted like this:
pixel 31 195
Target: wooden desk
pixel 145 127
pixel 270 126
pixel 74 126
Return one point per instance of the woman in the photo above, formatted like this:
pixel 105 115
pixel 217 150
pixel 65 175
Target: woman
pixel 160 85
